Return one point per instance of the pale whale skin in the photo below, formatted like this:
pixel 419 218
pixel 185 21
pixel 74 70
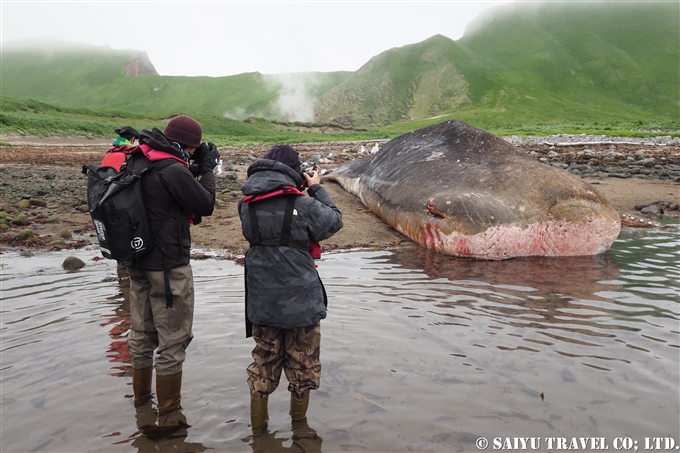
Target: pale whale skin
pixel 466 192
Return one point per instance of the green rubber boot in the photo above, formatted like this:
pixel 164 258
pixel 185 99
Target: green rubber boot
pixel 258 414
pixel 168 389
pixel 298 410
pixel 141 385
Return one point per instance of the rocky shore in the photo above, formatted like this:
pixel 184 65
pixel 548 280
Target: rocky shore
pixel 43 192
pixel 602 156
pixel 588 156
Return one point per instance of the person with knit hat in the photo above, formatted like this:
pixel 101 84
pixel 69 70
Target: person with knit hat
pixel 116 153
pixel 285 298
pixel 184 130
pixel 179 187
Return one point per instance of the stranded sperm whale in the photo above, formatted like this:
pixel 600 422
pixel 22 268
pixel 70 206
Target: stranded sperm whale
pixel 466 192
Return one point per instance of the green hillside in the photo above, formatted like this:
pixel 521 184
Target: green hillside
pixel 532 67
pixel 580 59
pixel 524 63
pixel 93 77
pixel 412 82
pixel 30 117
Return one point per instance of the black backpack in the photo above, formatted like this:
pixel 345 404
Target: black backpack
pixel 117 210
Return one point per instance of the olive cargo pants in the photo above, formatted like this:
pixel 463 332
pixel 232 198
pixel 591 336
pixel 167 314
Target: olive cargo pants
pixel 156 326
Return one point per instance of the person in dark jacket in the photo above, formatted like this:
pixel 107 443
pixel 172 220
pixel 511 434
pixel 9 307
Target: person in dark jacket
pixel 161 281
pixel 116 154
pixel 285 298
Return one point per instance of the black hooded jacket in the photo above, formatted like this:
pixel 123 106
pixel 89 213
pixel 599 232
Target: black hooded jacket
pixel 283 288
pixel 171 195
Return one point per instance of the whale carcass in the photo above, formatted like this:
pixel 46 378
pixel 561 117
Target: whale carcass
pixel 466 192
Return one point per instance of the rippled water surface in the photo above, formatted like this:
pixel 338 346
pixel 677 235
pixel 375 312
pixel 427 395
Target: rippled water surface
pixel 420 352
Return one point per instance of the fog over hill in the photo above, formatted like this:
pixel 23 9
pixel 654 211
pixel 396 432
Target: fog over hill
pixel 519 63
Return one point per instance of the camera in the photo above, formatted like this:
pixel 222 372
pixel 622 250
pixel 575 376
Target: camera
pixel 309 173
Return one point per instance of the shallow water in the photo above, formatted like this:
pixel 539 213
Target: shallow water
pixel 420 352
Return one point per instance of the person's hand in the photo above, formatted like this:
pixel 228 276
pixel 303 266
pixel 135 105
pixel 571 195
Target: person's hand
pixel 211 157
pixel 205 158
pixel 195 169
pixel 196 159
pixel 311 180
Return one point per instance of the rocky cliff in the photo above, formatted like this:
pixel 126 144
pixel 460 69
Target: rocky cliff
pixel 140 66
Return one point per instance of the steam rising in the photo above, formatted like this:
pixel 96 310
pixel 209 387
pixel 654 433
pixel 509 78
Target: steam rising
pixel 295 103
pixel 296 97
pixel 239 113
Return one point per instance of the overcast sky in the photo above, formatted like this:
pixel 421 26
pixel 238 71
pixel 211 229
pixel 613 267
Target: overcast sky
pixel 223 38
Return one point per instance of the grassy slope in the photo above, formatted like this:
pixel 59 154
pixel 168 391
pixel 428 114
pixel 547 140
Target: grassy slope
pixel 540 63
pixel 414 81
pixel 32 117
pixel 579 61
pixel 38 118
pixel 93 77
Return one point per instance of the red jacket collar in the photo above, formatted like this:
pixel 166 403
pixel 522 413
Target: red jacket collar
pixel 286 190
pixel 155 155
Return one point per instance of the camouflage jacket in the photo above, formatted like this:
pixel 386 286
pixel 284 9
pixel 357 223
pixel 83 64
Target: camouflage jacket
pixel 283 288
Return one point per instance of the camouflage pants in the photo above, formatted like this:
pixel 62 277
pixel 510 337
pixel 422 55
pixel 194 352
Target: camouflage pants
pixel 296 351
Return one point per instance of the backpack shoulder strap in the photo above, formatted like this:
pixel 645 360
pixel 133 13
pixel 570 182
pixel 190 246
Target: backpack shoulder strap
pixel 254 228
pixel 285 228
pixel 287 220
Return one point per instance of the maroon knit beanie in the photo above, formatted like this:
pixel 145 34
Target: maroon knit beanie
pixel 184 130
pixel 285 154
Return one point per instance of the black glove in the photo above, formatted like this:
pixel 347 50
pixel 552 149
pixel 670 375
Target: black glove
pixel 205 158
pixel 212 157
pixel 196 158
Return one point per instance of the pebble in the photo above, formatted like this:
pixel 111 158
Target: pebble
pixel 653 209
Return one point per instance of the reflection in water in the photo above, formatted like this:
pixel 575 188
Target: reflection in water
pixel 303 439
pixel 550 300
pixel 577 276
pixel 422 352
pixel 165 433
pixel 154 431
pixel 120 322
pixel 531 293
